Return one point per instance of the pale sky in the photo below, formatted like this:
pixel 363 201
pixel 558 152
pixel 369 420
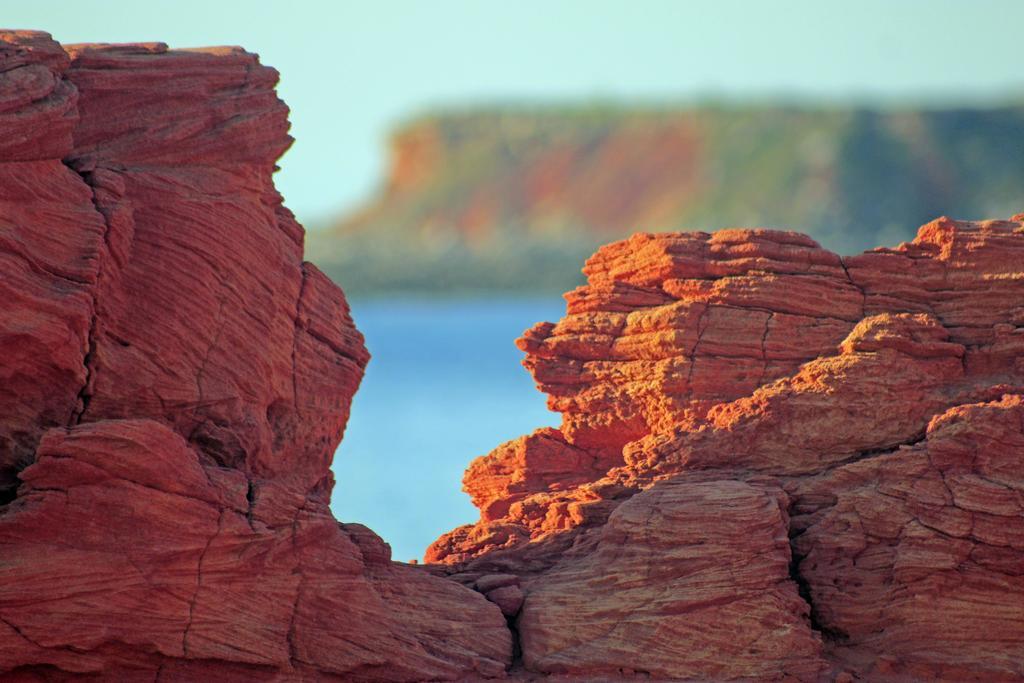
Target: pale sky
pixel 352 70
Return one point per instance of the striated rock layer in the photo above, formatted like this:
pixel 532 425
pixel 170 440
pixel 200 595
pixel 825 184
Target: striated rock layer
pixel 774 463
pixel 176 380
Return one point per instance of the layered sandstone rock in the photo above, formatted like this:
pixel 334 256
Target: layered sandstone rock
pixel 774 463
pixel 176 380
pixel 748 418
pixel 914 559
pixel 680 566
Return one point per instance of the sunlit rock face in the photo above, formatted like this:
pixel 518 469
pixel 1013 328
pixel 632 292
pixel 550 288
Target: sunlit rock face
pixel 774 462
pixel 175 382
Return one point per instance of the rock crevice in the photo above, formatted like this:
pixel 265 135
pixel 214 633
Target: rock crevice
pixel 89 360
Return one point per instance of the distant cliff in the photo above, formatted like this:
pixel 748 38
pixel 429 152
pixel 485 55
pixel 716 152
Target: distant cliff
pixel 512 199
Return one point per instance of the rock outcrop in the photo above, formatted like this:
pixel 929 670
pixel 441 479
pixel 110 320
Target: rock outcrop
pixel 176 380
pixel 773 462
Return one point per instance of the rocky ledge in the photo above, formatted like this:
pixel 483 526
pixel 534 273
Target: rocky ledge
pixel 774 464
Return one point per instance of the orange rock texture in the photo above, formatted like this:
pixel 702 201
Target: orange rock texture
pixel 774 463
pixel 175 382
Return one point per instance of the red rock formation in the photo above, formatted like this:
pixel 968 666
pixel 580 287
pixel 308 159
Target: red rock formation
pixel 721 393
pixel 176 380
pixel 680 567
pixel 774 463
pixel 914 559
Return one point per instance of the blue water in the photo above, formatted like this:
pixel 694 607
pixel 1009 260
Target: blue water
pixel 445 385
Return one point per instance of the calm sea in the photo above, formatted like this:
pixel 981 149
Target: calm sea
pixel 444 386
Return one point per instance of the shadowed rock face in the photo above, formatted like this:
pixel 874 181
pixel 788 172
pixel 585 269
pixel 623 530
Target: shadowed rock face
pixel 773 462
pixel 176 380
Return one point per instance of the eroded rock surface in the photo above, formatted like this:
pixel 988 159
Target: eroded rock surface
pixel 773 463
pixel 681 565
pixel 176 380
pixel 914 559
